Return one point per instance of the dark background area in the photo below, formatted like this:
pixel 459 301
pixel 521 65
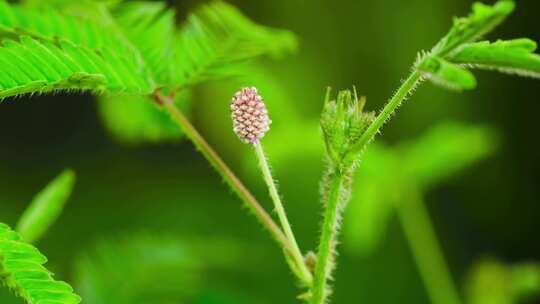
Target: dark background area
pixel 492 209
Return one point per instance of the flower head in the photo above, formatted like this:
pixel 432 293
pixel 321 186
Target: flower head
pixel 249 115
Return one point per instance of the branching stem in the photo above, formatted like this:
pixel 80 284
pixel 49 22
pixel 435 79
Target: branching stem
pixel 406 88
pixel 326 250
pixel 303 272
pixel 227 174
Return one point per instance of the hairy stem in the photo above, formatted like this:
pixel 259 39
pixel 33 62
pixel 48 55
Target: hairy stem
pixel 426 251
pixel 227 174
pixel 326 250
pixel 303 272
pixel 406 88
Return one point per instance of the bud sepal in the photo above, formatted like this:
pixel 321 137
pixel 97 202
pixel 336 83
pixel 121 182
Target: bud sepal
pixel 343 122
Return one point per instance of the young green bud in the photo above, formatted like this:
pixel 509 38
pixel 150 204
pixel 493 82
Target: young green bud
pixel 343 122
pixel 249 115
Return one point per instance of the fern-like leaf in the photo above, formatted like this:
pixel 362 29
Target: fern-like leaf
pixel 49 23
pixel 30 65
pixel 217 36
pixel 22 271
pixel 50 51
pixel 214 42
pixel 151 27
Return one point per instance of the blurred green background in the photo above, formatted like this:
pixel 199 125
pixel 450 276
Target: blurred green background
pixel 168 193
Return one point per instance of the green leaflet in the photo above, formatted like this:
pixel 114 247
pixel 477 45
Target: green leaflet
pixel 512 56
pixel 22 271
pixel 444 65
pixel 492 282
pixel 33 66
pixel 481 21
pixel 446 74
pixel 133 119
pixel 151 27
pixel 49 23
pixel 216 37
pixel 62 52
pixel 211 43
pixel 45 207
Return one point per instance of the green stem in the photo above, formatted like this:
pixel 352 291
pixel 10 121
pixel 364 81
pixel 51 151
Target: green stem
pixel 406 88
pixel 426 251
pixel 302 271
pixel 227 174
pixel 326 250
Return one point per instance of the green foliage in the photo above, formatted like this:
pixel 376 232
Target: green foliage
pixel 444 65
pixel 215 42
pixel 447 74
pixel 134 49
pixel 483 19
pixel 50 24
pixel 512 56
pixel 151 27
pixel 216 37
pixel 46 207
pixel 49 51
pixel 22 271
pixel 492 282
pixel 444 151
pixel 32 66
pixel 342 123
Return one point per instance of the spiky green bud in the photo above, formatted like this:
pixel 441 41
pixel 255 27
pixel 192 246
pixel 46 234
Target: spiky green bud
pixel 343 122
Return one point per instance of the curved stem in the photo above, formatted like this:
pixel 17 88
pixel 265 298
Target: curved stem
pixel 406 88
pixel 326 250
pixel 227 174
pixel 426 250
pixel 303 272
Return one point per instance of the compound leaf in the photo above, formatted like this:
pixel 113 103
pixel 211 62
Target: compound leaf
pixel 49 51
pixel 483 19
pixel 33 66
pixel 151 27
pixel 216 37
pixel 21 269
pixel 512 56
pixel 215 41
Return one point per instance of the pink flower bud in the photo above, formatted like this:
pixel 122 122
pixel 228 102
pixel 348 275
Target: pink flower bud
pixel 249 115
